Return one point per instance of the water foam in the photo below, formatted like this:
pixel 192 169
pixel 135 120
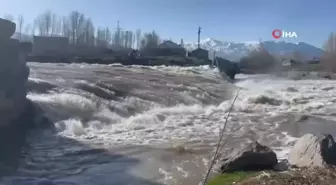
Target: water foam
pixel 264 104
pixel 180 122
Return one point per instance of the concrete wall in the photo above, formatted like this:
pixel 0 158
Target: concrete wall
pixel 200 54
pixel 50 45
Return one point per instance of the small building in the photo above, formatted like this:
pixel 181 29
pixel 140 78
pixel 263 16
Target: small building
pixel 169 44
pixel 200 54
pixel 50 45
pixel 166 48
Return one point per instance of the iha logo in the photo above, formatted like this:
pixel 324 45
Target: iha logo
pixel 277 34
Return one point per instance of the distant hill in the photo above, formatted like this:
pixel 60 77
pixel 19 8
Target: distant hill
pixel 235 50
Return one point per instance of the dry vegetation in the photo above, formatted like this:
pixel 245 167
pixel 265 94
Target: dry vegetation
pixel 259 61
pixel 328 60
pixel 316 176
pixel 298 177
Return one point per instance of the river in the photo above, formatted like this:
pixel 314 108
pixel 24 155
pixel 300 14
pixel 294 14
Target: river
pixel 158 125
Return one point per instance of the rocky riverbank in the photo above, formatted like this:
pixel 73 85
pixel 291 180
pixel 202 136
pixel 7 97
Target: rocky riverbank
pixel 310 161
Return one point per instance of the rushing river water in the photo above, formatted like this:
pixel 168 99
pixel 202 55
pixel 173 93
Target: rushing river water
pixel 158 125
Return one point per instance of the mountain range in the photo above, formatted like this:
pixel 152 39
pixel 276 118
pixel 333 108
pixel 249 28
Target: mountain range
pixel 235 50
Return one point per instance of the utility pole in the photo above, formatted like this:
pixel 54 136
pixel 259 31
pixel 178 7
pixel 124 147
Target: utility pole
pixel 199 37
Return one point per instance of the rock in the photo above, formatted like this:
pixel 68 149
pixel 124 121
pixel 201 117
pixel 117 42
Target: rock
pixel 227 67
pixel 13 74
pixel 292 89
pixel 313 151
pixel 252 157
pixel 15 113
pixel 7 29
pixel 281 166
pixel 262 99
pixel 38 120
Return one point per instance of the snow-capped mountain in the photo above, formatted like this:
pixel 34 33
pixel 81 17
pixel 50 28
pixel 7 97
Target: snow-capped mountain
pixel 235 50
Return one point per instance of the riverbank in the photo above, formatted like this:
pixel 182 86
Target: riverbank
pixel 126 60
pixel 323 176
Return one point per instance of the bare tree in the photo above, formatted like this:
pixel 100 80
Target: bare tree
pixel 39 26
pixel 107 36
pixel 53 25
pixel 65 27
pixel 44 23
pixel 328 59
pixel 138 38
pixel 88 32
pixel 182 43
pixel 150 40
pixel 57 27
pixel 330 45
pixel 133 40
pixel 33 29
pixel 76 24
pixel 118 36
pixel 128 39
pixel 123 39
pixel 27 29
pixel 258 61
pixel 103 37
pixel 20 22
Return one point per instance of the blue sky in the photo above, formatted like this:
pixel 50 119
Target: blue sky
pixel 229 20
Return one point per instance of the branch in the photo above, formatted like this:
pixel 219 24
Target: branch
pixel 218 147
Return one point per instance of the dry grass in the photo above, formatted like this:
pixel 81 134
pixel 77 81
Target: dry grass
pixel 317 176
pixel 298 177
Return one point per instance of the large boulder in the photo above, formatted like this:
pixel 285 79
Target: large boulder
pixel 13 74
pixel 7 29
pixel 313 151
pixel 227 67
pixel 254 156
pixel 16 114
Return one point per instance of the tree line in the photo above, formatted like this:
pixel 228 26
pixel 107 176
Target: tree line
pixel 81 30
pixel 328 59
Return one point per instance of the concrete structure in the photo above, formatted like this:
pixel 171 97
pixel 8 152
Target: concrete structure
pixel 200 54
pixel 169 44
pixel 17 113
pixel 13 74
pixel 50 45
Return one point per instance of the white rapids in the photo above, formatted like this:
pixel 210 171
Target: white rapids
pixel 127 125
